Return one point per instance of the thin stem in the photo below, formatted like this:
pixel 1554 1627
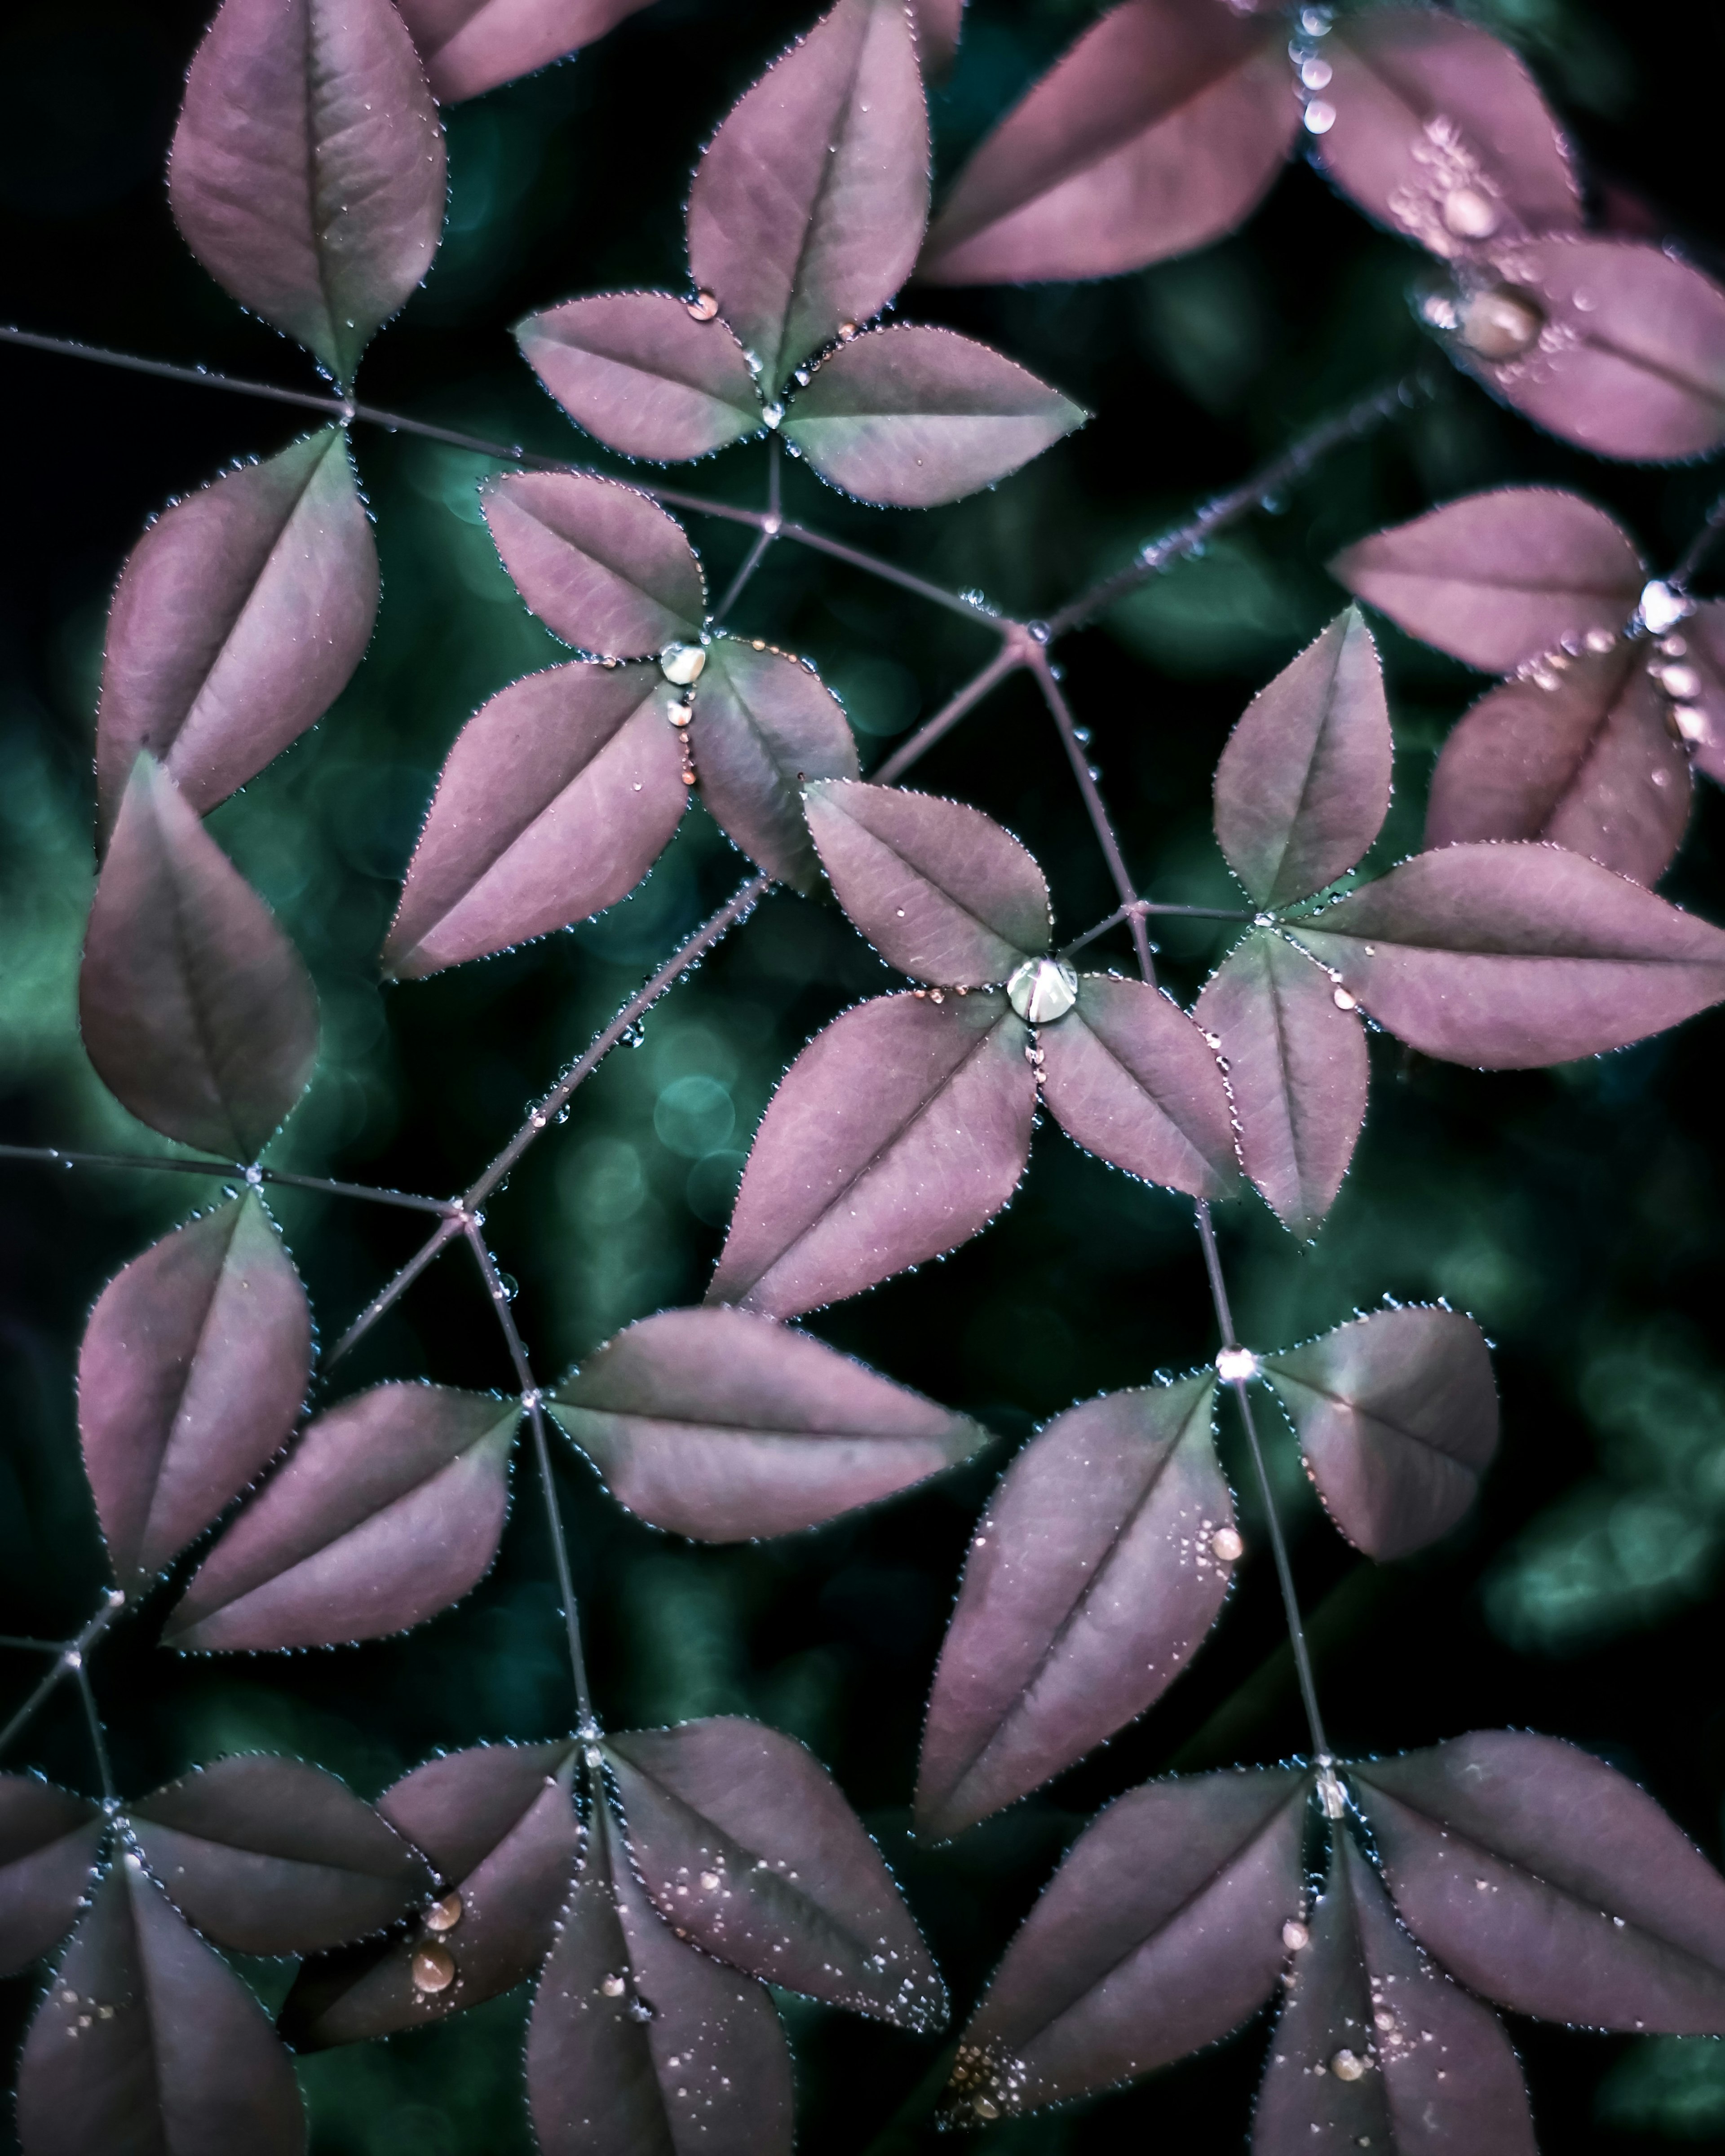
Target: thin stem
pixel 1149 906
pixel 1696 551
pixel 954 602
pixel 32 1646
pixel 388 1297
pixel 69 1662
pixel 1007 661
pixel 1130 911
pixel 98 1735
pixel 750 561
pixel 176 1164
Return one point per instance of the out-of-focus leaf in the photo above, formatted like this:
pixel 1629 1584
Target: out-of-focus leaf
pixel 723 1426
pixel 195 1007
pixel 1161 1932
pixel 939 889
pixel 499 1824
pixel 1093 1577
pixel 1303 784
pixel 146 2043
pixel 1297 1069
pixel 49 1841
pixel 640 2045
pixel 1396 1415
pixel 1127 1075
pixel 910 417
pixel 603 567
pixel 192 1375
pixel 746 1844
pixel 1501 578
pixel 557 798
pixel 388 1509
pixel 1547 1881
pixel 939 23
pixel 1584 757
pixel 764 725
pixel 809 205
pixel 307 172
pixel 1440 132
pixel 273 1857
pixel 1376 2048
pixel 642 374
pixel 1511 956
pixel 898 1134
pixel 239 617
pixel 469 46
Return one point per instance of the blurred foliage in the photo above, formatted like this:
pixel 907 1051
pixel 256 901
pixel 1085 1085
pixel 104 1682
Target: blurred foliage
pixel 1575 1212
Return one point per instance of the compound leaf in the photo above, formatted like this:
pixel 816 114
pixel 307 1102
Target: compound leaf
pixel 49 1843
pixel 603 567
pixel 764 725
pixel 469 46
pixel 642 374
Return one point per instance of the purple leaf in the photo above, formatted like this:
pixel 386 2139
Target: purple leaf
pixel 1550 1883
pixel 722 1426
pixel 557 798
pixel 499 1824
pixel 1581 754
pixel 469 46
pixel 195 1007
pixel 640 2045
pixel 1376 2048
pixel 147 2042
pixel 643 374
pixel 603 567
pixel 1160 130
pixel 49 1841
pixel 1499 578
pixel 192 1375
pixel 939 889
pixel 899 1132
pixel 1609 344
pixel 388 1509
pixel 1160 1932
pixel 1397 1415
pixel 1127 1075
pixel 1690 670
pixel 746 1844
pixel 910 417
pixel 1297 1069
pixel 307 172
pixel 1099 1565
pixel 938 25
pixel 764 725
pixel 1440 132
pixel 809 205
pixel 240 615
pixel 1303 784
pixel 272 1856
pixel 1508 956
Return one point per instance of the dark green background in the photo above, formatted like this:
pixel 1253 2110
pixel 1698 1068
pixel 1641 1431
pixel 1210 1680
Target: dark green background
pixel 1574 1212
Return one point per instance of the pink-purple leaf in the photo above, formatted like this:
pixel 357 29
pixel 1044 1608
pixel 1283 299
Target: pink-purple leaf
pixel 1127 1075
pixel 1692 660
pixel 1093 1578
pixel 307 172
pixel 1160 130
pixel 939 23
pixel 195 1007
pixel 723 1426
pixel 910 417
pixel 1375 2048
pixel 148 2044
pixel 1511 956
pixel 641 2046
pixel 1303 784
pixel 809 205
pixel 1584 757
pixel 557 798
pixel 1397 1417
pixel 1547 1881
pixel 388 1509
pixel 49 1841
pixel 899 1132
pixel 1297 1070
pixel 764 727
pixel 603 567
pixel 191 1378
pixel 1499 578
pixel 746 1845
pixel 939 889
pixel 239 617
pixel 470 46
pixel 1440 132
pixel 1160 1932
pixel 642 374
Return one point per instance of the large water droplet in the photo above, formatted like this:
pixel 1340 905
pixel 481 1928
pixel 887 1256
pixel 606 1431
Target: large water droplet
pixel 1471 215
pixel 1295 1935
pixel 1682 682
pixel 1662 608
pixel 1236 1366
pixel 1227 1545
pixel 1042 990
pixel 433 1969
pixel 444 1916
pixel 1348 2065
pixel 1501 323
pixel 681 664
pixel 703 306
pixel 1320 116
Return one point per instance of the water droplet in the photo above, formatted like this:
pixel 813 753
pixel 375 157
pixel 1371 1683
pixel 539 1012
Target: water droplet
pixel 1316 73
pixel 1682 682
pixel 1342 1000
pixel 1501 323
pixel 255 1177
pixel 613 1987
pixel 1295 1935
pixel 710 1881
pixel 639 2009
pixel 681 664
pixel 1662 608
pixel 1347 2066
pixel 1599 639
pixel 771 416
pixel 1320 116
pixel 846 331
pixel 1042 990
pixel 433 1969
pixel 1227 1545
pixel 1470 214
pixel 509 1287
pixel 1236 1366
pixel 1690 723
pixel 703 306
pixel 444 1916
pixel 1314 20
pixel 985 2106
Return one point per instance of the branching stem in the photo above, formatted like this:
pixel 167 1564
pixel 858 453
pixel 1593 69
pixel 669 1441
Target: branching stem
pixel 69 1662
pixel 1143 907
pixel 228 1170
pixel 1095 807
